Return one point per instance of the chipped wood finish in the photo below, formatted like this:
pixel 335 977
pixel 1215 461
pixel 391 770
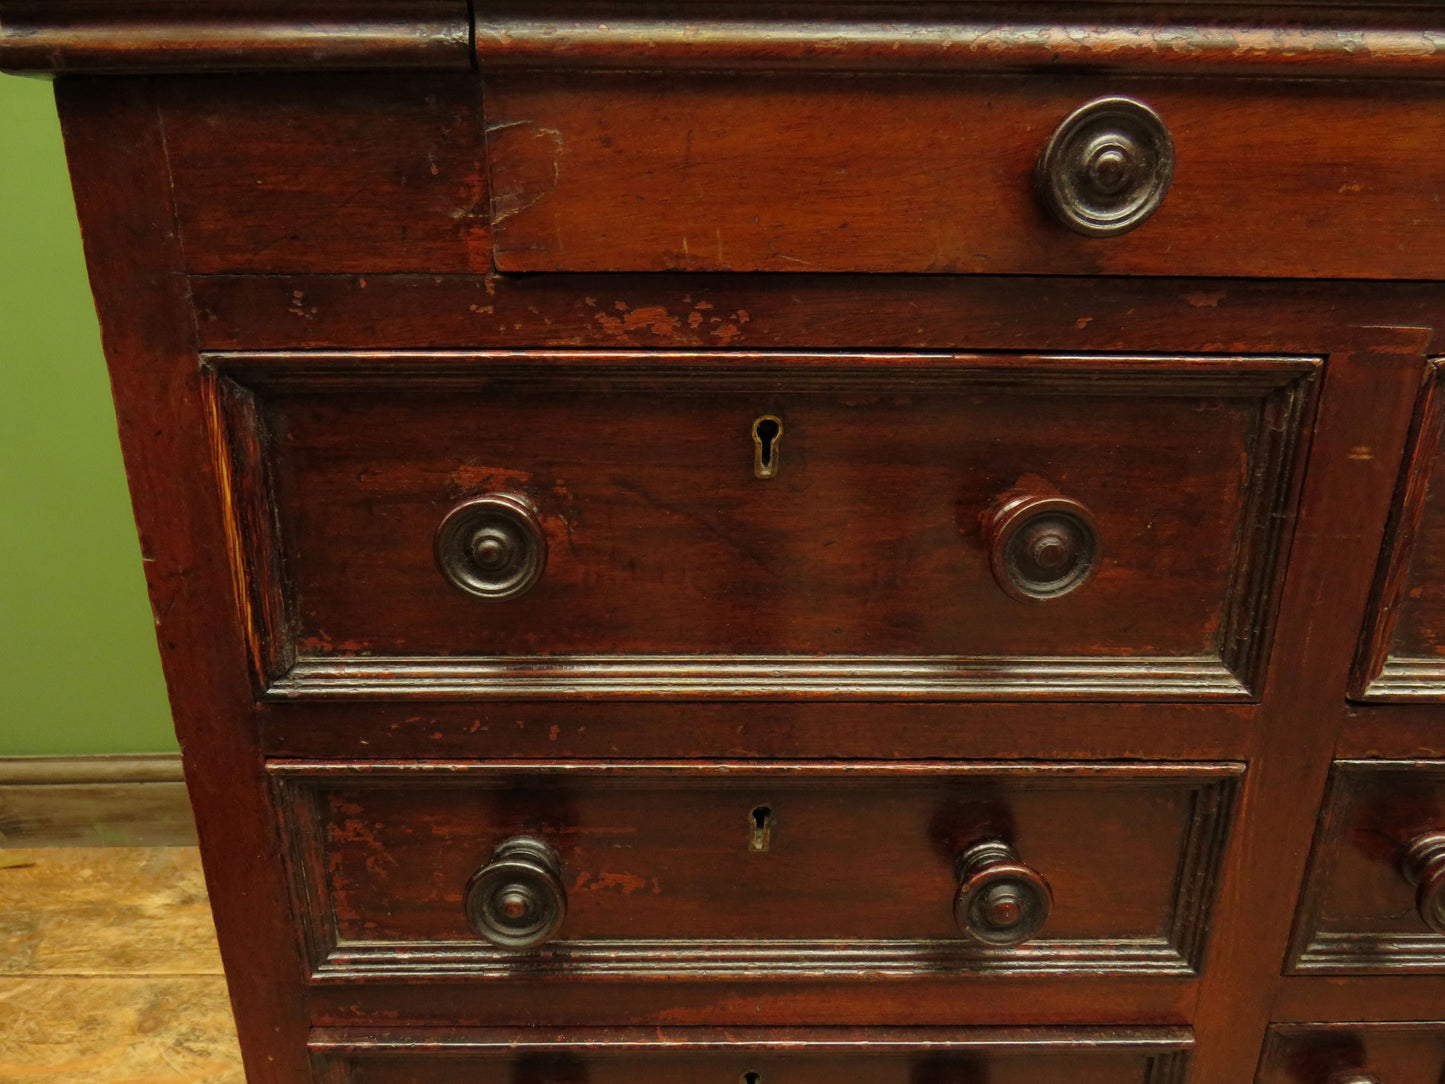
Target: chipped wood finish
pixel 754 1055
pixel 212 35
pixel 696 580
pixel 665 877
pixel 646 173
pixel 332 311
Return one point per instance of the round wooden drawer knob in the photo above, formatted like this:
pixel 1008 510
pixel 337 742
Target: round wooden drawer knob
pixel 1000 901
pixel 1424 868
pixel 1353 1076
pixel 1041 547
pixel 1107 167
pixel 492 547
pixel 517 900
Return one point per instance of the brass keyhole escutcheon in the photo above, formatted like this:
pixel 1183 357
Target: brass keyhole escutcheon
pixel 760 825
pixel 751 1078
pixel 767 432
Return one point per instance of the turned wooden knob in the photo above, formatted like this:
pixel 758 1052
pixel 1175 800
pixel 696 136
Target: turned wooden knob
pixel 517 900
pixel 1000 901
pixel 492 547
pixel 1353 1076
pixel 1424 867
pixel 1106 168
pixel 1041 547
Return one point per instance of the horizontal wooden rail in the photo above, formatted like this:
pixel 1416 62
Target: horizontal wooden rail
pixel 1202 36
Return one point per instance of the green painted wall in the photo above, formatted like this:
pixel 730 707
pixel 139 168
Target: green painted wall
pixel 79 671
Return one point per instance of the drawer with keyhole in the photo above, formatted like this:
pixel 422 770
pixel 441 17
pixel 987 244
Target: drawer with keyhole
pixel 780 871
pixel 752 1056
pixel 924 525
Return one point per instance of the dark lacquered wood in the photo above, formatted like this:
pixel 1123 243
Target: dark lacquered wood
pixel 645 173
pixel 1287 38
pixel 1402 652
pixel 117 160
pixel 364 173
pixel 213 35
pixel 342 223
pixel 753 1056
pixel 665 877
pixel 873 538
pixel 1364 909
pixel 1354 1054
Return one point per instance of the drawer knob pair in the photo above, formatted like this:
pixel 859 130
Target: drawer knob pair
pixel 1424 867
pixel 518 901
pixel 1106 168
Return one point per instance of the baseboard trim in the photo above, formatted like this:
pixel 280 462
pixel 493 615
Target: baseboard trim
pixel 127 800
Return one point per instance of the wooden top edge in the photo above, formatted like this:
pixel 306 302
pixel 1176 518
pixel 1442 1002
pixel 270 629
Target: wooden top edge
pixel 1213 38
pixel 1290 37
pixel 100 37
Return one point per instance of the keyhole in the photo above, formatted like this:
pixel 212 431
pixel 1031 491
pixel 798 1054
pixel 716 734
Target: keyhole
pixel 762 828
pixel 751 1078
pixel 767 432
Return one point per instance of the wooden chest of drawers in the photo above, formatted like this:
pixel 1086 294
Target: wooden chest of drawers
pixel 716 543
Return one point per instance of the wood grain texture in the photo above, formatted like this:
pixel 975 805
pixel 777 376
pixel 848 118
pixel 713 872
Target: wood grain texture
pixel 635 173
pixel 307 173
pixel 1182 38
pixel 665 883
pixel 1402 650
pixel 1096 1056
pixel 112 911
pixel 866 543
pixel 117 160
pixel 1411 1053
pixel 161 35
pixel 105 1031
pixel 1357 913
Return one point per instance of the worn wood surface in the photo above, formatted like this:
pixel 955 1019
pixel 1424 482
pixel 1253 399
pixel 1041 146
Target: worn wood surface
pixel 117 159
pixel 635 173
pixel 124 800
pixel 43 35
pixel 670 546
pixel 191 257
pixel 1402 1054
pixel 665 877
pixel 940 1056
pixel 109 971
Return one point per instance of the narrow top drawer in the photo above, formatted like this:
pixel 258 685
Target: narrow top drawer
pixel 937 174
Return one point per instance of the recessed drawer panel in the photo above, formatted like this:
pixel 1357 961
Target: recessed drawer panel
pixel 1354 1054
pixel 1375 896
pixel 1402 651
pixel 752 1056
pixel 774 871
pixel 596 172
pixel 760 524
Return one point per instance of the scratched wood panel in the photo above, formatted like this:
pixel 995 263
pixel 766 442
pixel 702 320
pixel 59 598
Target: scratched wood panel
pixel 300 173
pixel 609 172
pixel 105 911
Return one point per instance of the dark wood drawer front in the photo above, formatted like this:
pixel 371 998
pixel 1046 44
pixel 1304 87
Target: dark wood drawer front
pixel 1402 652
pixel 752 1056
pixel 637 173
pixel 1375 896
pixel 780 871
pixel 916 524
pixel 1354 1054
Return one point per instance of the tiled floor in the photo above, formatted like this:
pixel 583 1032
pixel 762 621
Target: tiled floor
pixel 109 970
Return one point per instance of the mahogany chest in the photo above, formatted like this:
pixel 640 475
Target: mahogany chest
pixel 714 542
